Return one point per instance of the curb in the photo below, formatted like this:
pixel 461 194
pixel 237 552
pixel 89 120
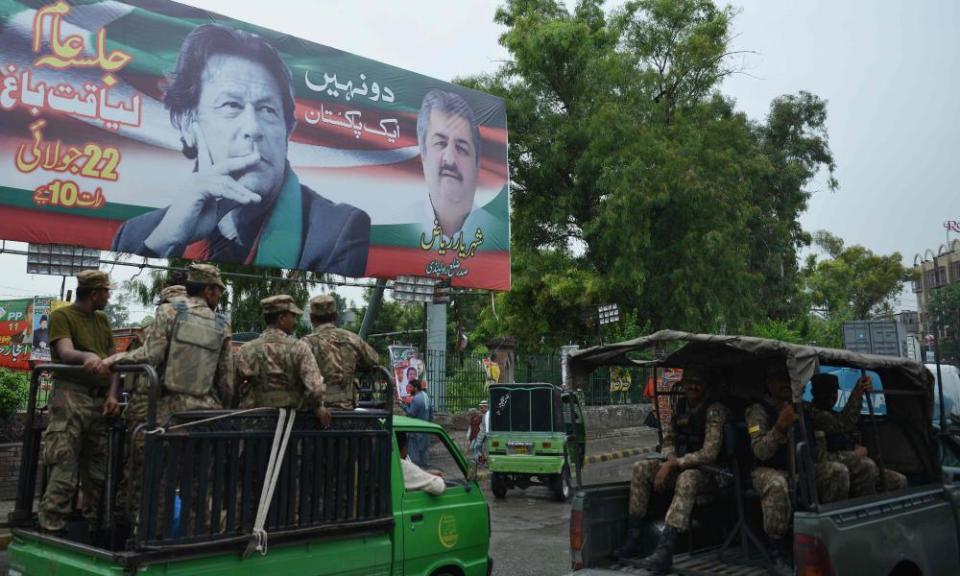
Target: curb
pixel 608 456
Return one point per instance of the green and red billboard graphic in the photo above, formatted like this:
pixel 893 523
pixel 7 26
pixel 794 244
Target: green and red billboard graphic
pixel 16 333
pixel 158 129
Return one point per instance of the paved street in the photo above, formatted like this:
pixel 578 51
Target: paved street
pixel 530 529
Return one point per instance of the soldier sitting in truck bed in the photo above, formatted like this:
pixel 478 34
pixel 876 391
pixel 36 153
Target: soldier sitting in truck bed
pixel 840 429
pixel 693 439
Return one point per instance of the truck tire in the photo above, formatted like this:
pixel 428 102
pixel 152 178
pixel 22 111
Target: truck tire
pixel 497 485
pixel 563 485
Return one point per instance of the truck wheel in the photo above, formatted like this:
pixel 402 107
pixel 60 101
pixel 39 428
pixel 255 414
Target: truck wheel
pixel 497 485
pixel 563 485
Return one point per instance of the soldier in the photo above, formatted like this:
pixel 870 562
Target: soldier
pixel 769 423
pixel 338 352
pixel 135 413
pixel 75 441
pixel 276 369
pixel 840 430
pixel 693 439
pixel 188 345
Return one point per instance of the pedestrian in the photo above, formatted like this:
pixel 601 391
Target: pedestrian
pixel 278 371
pixel 840 431
pixel 75 441
pixel 769 423
pixel 691 441
pixel 420 408
pixel 339 353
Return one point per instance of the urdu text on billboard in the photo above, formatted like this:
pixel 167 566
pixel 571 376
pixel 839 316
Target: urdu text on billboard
pixel 162 130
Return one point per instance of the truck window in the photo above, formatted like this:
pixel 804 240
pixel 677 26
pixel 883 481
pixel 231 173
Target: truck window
pixel 443 461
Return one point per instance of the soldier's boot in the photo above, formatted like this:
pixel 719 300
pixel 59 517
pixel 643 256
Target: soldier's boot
pixel 661 560
pixel 631 547
pixel 779 564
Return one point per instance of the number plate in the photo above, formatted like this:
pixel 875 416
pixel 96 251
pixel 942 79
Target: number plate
pixel 519 447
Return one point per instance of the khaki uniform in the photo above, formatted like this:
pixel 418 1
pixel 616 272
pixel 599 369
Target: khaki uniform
pixel 189 346
pixel 864 473
pixel 75 441
pixel 278 371
pixel 689 481
pixel 339 353
pixel 770 447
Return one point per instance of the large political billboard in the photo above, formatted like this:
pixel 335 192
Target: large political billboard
pixel 162 130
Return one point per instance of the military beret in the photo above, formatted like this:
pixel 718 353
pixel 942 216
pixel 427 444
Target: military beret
pixel 171 292
pixel 323 305
pixel 279 303
pixel 204 274
pixel 94 279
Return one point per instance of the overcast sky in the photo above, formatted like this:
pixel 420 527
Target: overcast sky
pixel 888 70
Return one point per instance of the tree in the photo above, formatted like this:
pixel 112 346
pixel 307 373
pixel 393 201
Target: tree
pixel 118 308
pixel 636 182
pixel 943 310
pixel 853 283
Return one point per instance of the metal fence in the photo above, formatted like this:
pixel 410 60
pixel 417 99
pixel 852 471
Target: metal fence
pixel 459 382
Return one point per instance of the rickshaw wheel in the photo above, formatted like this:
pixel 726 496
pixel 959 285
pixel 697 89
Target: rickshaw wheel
pixel 497 485
pixel 563 485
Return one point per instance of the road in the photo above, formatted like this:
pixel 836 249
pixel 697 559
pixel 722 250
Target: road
pixel 531 530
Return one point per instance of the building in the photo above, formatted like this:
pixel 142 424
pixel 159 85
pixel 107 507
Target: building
pixel 934 271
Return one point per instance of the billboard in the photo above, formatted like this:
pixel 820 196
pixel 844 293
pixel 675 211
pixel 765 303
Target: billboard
pixel 163 130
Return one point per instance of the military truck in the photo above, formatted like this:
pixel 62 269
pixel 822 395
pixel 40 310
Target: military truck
pixel 334 503
pixel 908 532
pixel 536 437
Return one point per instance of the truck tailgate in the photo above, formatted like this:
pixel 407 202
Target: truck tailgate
pixel 700 564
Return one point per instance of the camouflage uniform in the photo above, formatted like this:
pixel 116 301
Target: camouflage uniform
pixel 75 441
pixel 770 446
pixel 338 352
pixel 688 481
pixel 276 369
pixel 840 429
pixel 188 344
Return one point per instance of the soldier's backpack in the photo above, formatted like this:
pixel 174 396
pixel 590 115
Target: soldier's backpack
pixel 193 352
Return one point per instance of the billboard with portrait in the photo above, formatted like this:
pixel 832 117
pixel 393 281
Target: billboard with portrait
pixel 162 130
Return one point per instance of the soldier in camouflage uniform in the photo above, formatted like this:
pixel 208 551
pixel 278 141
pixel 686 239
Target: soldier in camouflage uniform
pixel 135 413
pixel 75 441
pixel 338 352
pixel 188 345
pixel 769 423
pixel 840 430
pixel 278 371
pixel 692 439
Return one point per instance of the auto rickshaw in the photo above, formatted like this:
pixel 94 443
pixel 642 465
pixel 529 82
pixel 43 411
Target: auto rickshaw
pixel 536 435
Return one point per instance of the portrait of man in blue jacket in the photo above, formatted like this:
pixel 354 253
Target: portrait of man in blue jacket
pixel 231 99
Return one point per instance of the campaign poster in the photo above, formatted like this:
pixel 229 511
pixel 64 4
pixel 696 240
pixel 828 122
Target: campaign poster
pixel 407 366
pixel 40 318
pixel 16 333
pixel 153 128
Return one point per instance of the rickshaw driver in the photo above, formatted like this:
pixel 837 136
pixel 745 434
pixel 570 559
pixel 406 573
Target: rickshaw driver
pixel 840 430
pixel 693 439
pixel 768 423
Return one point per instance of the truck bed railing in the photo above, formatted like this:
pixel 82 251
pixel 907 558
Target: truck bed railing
pixel 204 482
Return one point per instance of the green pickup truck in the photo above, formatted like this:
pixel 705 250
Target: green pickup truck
pixel 339 505
pixel 536 436
pixel 914 531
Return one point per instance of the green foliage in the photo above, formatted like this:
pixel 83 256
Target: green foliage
pixel 943 310
pixel 854 283
pixel 635 182
pixel 13 391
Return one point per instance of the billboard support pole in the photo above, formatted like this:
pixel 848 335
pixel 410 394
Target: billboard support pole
pixel 373 308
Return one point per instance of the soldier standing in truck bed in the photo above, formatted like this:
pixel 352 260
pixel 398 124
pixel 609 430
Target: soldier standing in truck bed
pixel 338 352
